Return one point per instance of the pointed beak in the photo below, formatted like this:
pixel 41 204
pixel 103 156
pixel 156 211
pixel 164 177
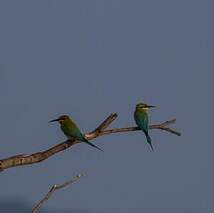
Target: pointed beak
pixel 55 120
pixel 151 106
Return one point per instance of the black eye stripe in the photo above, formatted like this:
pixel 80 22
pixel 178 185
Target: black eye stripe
pixel 62 118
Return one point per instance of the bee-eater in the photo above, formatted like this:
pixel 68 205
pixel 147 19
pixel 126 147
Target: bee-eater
pixel 142 120
pixel 71 130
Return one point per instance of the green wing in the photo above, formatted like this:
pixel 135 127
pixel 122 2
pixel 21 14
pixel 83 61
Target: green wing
pixel 72 131
pixel 142 120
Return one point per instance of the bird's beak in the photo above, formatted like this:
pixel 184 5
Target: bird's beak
pixel 55 120
pixel 151 106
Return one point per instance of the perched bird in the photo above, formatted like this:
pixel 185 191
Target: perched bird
pixel 71 130
pixel 142 120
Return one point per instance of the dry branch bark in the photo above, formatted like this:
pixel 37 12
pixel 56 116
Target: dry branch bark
pixel 23 159
pixel 53 189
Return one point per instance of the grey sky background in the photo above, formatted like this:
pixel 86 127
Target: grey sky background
pixel 91 58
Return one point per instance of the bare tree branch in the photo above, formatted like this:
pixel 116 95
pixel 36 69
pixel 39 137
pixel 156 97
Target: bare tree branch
pixel 161 126
pixel 54 188
pixel 22 159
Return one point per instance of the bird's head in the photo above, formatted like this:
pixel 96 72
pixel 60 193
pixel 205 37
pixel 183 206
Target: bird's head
pixel 143 106
pixel 61 119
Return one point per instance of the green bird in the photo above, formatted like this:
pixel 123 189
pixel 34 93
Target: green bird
pixel 142 120
pixel 71 130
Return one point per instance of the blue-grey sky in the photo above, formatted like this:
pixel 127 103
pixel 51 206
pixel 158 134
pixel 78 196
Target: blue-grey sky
pixel 91 58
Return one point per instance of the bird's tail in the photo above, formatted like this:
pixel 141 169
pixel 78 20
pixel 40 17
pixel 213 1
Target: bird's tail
pixel 91 144
pixel 149 140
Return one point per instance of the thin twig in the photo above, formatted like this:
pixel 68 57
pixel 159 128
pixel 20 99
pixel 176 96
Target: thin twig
pixel 22 159
pixel 54 188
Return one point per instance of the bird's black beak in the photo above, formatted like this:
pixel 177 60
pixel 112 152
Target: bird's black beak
pixel 54 120
pixel 151 106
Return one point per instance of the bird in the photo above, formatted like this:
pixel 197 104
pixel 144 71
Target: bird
pixel 71 130
pixel 142 120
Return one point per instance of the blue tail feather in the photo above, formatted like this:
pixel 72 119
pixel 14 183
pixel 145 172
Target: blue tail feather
pixel 91 144
pixel 149 140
